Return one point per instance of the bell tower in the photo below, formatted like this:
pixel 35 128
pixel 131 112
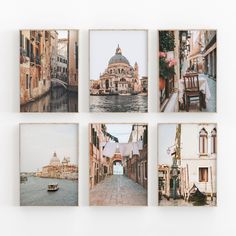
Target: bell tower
pixel 136 77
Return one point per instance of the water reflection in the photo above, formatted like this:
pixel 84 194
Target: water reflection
pixel 117 103
pixel 58 99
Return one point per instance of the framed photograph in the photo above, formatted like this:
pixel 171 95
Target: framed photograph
pixel 187 164
pixel 118 173
pixel 49 70
pixel 48 164
pixel 118 71
pixel 187 70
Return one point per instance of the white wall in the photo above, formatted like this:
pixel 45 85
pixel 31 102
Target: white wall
pixel 152 220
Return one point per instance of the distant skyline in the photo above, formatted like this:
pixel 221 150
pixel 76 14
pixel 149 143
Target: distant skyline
pixel 103 44
pixel 38 142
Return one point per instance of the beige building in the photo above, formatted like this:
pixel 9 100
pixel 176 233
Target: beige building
pixel 196 164
pixel 118 78
pixel 73 60
pixel 53 52
pixel 59 169
pixel 136 166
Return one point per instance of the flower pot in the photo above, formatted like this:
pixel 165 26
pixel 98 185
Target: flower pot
pixel 162 83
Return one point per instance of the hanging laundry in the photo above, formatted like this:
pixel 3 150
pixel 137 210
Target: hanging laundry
pixel 125 148
pixel 140 145
pixel 135 148
pixel 109 149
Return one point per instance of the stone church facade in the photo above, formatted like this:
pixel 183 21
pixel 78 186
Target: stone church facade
pixel 118 78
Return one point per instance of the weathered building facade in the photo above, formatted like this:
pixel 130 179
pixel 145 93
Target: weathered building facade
pixel 73 60
pixel 100 166
pixel 62 59
pixel 135 165
pixel 34 64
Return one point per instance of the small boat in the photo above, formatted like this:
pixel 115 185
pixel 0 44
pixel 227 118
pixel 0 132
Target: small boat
pixel 23 178
pixel 135 93
pixel 53 187
pixel 124 94
pixel 196 196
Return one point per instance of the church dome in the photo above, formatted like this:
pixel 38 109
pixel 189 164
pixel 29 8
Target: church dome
pixel 55 161
pixel 118 58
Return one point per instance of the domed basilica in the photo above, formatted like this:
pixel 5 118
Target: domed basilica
pixel 118 78
pixel 59 169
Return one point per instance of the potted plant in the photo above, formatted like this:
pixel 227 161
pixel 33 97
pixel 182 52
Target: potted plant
pixel 166 66
pixel 166 69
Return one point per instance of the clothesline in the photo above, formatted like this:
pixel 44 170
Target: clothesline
pixel 125 149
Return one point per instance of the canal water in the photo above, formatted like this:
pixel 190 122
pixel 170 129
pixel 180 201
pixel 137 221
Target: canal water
pixel 117 103
pixel 57 100
pixel 34 192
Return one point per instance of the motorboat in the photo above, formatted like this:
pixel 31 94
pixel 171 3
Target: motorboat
pixel 53 187
pixel 23 178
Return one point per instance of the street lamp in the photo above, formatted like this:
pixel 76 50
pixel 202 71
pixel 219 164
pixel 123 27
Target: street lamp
pixel 174 173
pixel 174 168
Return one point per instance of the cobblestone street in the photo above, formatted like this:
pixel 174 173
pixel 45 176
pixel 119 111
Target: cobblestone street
pixel 118 190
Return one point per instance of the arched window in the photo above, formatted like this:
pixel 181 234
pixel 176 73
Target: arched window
pixel 119 71
pixel 213 141
pixel 203 141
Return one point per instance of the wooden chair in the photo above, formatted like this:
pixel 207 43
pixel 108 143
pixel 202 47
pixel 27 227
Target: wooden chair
pixel 192 91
